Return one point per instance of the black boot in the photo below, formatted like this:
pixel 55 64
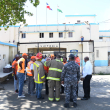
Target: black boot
pixel 75 105
pixel 66 105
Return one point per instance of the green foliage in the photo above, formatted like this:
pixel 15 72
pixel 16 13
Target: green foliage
pixel 12 11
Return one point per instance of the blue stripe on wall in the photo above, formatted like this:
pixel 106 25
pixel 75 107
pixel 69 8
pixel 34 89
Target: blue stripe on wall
pixel 101 62
pixel 3 43
pixel 45 31
pixel 104 36
pixel 79 15
pixel 96 63
pixel 104 30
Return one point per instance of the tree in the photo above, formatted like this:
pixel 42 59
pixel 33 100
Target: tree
pixel 12 11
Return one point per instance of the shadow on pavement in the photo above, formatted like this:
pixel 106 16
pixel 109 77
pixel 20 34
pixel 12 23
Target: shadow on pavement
pixel 29 103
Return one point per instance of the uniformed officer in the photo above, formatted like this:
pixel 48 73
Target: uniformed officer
pixel 70 77
pixel 54 75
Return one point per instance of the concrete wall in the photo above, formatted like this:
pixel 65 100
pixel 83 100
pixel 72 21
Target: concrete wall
pixel 104 69
pixel 7 36
pixel 4 50
pixel 102 47
pixel 104 33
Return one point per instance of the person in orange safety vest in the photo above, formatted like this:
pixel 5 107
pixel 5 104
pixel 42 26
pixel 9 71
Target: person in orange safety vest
pixel 77 60
pixel 21 74
pixel 14 67
pixel 30 76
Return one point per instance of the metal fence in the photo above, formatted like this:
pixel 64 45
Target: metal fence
pixel 63 48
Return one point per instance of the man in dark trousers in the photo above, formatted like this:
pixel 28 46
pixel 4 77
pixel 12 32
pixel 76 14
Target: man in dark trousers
pixel 87 75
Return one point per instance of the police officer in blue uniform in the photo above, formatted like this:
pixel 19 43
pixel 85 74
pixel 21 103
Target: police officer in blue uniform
pixel 70 77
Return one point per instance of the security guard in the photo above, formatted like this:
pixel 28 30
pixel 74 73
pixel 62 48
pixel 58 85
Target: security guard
pixel 55 70
pixel 70 77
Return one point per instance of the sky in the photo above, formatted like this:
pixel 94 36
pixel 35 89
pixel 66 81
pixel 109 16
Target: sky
pixel 69 7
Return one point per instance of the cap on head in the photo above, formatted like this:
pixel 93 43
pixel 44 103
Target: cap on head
pixel 17 56
pixel 24 54
pixel 33 57
pixel 39 56
pixel 71 56
pixel 52 55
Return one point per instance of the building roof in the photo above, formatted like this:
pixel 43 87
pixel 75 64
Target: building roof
pixel 80 15
pixel 8 44
pixel 104 30
pixel 55 25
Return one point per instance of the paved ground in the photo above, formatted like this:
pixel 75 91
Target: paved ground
pixel 100 97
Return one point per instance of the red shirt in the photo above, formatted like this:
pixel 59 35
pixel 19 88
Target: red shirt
pixel 77 60
pixel 46 69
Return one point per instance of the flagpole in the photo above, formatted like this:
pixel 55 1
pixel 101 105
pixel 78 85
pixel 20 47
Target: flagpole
pixel 36 18
pixel 36 15
pixel 57 17
pixel 46 18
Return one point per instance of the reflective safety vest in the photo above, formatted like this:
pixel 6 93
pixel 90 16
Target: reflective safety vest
pixel 16 67
pixel 55 69
pixel 77 60
pixel 29 69
pixel 23 65
pixel 39 73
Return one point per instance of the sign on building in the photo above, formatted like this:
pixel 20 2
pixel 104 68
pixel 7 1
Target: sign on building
pixel 75 52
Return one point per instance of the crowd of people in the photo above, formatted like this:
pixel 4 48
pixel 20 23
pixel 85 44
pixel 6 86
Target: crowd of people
pixel 59 76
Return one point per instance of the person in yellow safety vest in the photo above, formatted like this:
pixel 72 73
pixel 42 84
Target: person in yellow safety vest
pixel 20 73
pixel 30 76
pixel 39 75
pixel 54 74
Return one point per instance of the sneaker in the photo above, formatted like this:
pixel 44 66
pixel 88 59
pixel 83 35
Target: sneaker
pixel 22 96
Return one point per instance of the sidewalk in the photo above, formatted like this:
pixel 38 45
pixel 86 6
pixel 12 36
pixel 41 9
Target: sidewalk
pixel 100 97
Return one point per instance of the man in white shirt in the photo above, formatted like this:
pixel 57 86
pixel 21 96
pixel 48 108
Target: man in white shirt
pixel 87 75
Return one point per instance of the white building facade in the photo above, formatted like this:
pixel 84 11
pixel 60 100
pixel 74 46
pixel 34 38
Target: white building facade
pixel 75 27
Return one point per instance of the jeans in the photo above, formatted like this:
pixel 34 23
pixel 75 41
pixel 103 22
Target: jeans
pixel 21 82
pixel 30 85
pixel 25 76
pixel 39 90
pixel 15 83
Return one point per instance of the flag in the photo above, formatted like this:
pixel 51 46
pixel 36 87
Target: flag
pixel 59 10
pixel 48 6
